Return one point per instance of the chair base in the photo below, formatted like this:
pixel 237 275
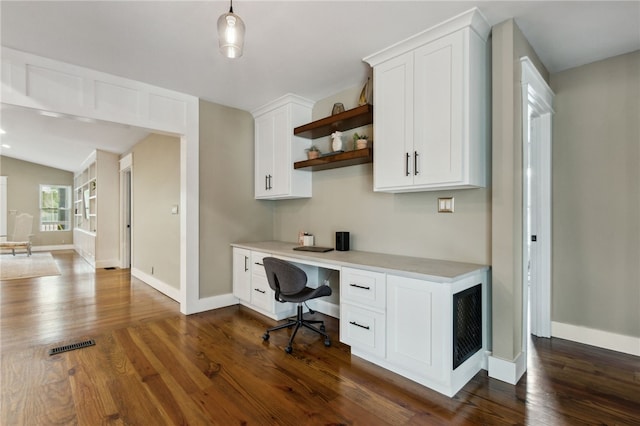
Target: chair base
pixel 299 321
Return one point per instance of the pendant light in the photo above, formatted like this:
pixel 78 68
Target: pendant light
pixel 230 34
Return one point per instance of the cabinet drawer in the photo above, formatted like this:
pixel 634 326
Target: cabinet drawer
pixel 261 294
pixel 257 266
pixel 363 287
pixel 362 329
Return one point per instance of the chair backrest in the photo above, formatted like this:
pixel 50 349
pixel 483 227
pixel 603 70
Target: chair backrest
pixel 22 227
pixel 284 277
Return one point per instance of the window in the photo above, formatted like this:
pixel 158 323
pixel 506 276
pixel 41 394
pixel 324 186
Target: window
pixel 55 208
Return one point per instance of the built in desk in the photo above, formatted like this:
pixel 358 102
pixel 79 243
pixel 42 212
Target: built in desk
pixel 424 319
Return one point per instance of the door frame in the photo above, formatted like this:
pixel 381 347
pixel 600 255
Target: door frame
pixel 126 211
pixel 537 111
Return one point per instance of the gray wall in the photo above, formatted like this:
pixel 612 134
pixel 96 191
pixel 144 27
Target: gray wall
pixel 596 202
pixel 156 188
pixel 405 224
pixel 23 195
pixel 508 46
pixel 228 210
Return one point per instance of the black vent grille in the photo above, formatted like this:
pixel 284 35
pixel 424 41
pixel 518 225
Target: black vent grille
pixel 467 324
pixel 72 347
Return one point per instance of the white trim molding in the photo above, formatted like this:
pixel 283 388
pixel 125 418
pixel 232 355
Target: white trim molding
pixel 53 248
pixel 508 371
pixel 159 285
pixel 594 337
pixel 48 85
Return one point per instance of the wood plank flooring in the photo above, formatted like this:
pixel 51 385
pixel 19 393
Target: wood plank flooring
pixel 153 366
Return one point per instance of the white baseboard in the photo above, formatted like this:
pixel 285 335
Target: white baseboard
pixel 212 302
pixel 591 336
pixel 111 263
pixel 508 371
pixel 161 286
pixel 53 248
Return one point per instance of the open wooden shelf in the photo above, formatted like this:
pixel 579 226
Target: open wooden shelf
pixel 349 158
pixel 350 119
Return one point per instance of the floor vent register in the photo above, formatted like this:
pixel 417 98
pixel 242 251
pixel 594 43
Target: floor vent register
pixel 72 347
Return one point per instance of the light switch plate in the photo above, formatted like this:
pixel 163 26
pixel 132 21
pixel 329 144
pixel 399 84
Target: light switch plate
pixel 445 205
pixel 174 209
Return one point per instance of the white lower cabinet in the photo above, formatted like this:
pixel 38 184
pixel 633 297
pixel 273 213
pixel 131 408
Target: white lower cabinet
pixel 251 287
pixel 406 325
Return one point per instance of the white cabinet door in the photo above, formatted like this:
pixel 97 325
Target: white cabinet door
pixel 393 122
pixel 282 162
pixel 242 274
pixel 439 110
pixel 417 326
pixel 264 152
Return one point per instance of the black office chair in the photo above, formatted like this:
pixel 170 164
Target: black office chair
pixel 290 285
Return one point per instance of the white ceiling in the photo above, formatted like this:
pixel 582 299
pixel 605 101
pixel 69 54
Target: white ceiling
pixel 311 48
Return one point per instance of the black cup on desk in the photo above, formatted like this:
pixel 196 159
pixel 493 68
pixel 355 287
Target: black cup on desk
pixel 342 241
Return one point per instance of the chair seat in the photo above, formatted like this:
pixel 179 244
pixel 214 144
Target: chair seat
pixel 14 244
pixel 306 294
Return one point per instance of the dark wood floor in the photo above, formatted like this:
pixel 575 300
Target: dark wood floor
pixel 153 366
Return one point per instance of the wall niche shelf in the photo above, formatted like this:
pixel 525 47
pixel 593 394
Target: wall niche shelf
pixel 344 159
pixel 350 119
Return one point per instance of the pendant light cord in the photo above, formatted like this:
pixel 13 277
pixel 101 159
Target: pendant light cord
pixel 231 7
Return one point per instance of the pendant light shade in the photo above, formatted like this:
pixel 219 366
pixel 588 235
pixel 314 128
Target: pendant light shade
pixel 231 34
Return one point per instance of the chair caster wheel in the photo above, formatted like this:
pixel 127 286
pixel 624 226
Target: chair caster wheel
pixel 265 336
pixel 322 328
pixel 327 342
pixel 288 349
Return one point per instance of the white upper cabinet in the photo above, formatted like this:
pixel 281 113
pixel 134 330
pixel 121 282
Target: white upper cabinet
pixel 276 149
pixel 431 116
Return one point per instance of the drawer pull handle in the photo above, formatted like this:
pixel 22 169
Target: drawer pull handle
pixel 360 286
pixel 246 268
pixel 259 291
pixel 366 327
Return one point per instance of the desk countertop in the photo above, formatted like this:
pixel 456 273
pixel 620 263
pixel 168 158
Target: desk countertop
pixel 414 267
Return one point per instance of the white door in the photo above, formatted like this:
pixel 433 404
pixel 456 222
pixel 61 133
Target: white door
pixel 537 101
pixel 438 112
pixel 393 123
pixel 264 145
pixel 416 333
pixel 281 175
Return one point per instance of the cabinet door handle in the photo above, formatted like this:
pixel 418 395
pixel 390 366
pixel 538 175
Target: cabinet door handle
pixel 259 291
pixel 246 268
pixel 415 163
pixel 406 165
pixel 270 187
pixel 359 286
pixel 266 182
pixel 366 327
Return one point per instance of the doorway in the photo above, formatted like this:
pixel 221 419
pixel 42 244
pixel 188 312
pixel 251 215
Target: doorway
pixel 126 203
pixel 537 101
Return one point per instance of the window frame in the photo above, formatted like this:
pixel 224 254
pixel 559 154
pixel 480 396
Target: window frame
pixel 54 226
